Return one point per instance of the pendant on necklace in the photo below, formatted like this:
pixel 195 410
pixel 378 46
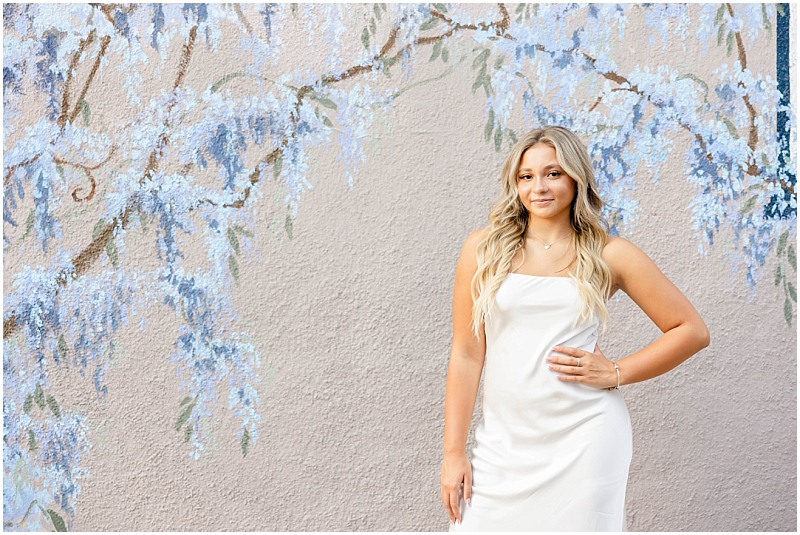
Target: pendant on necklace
pixel 546 246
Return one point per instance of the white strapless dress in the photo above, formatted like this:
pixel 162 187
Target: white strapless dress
pixel 550 455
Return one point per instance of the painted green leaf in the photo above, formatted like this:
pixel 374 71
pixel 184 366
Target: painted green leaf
pixel 437 47
pixel 28 405
pixel 51 402
pixel 377 11
pixel 143 222
pixel 748 204
pixel 792 257
pixel 327 121
pixel 499 62
pixel 765 18
pixel 62 346
pixel 428 24
pixel 498 139
pixel 482 72
pixel 487 86
pixel 731 128
pixel 440 7
pixel 729 43
pixel 779 7
pixel 277 167
pixel 478 82
pixel 787 311
pixel 224 80
pixel 764 160
pixel 187 433
pixel 365 38
pixel 184 416
pixel 778 274
pixel 512 136
pixel 720 34
pixel 328 103
pixel 29 223
pixel 111 250
pixel 782 242
pixel 487 131
pixel 31 440
pixel 242 231
pixel 792 292
pixel 245 442
pixel 84 107
pixel 294 9
pixel 38 396
pixel 520 7
pixel 234 267
pixel 288 225
pixel 58 522
pixel 718 16
pixel 60 170
pixel 233 240
pixel 372 27
pixel 98 228
pixel 186 400
pixel 445 54
pixel 481 58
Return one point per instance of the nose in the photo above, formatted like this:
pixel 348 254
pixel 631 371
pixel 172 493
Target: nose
pixel 539 185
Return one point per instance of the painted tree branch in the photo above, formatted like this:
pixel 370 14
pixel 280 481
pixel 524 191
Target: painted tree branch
pixel 92 252
pixel 500 26
pixel 73 66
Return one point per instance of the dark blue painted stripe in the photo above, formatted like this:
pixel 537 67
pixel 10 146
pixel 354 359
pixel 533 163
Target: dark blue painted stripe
pixel 784 86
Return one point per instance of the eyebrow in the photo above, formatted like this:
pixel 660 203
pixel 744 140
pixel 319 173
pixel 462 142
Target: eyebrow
pixel 549 166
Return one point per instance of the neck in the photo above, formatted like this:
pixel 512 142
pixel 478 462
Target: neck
pixel 548 230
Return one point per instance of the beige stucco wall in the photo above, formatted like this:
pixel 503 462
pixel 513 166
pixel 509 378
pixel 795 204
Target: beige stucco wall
pixel 352 321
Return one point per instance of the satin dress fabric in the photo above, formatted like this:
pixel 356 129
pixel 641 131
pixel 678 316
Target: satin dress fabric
pixel 549 455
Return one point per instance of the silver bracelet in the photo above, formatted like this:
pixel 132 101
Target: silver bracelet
pixel 614 387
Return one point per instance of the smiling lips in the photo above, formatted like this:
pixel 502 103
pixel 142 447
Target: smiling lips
pixel 542 202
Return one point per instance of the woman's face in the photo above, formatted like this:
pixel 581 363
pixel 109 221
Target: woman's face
pixel 543 186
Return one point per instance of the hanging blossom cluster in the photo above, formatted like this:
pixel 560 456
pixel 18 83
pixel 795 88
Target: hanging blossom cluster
pixel 547 55
pixel 195 160
pixel 61 317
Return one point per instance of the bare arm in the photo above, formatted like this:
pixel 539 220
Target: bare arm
pixel 463 377
pixel 685 332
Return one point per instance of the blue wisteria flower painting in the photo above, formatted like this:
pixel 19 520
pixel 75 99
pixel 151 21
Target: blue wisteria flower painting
pixel 108 122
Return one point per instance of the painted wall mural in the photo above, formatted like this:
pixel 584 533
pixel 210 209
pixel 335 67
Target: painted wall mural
pixel 108 134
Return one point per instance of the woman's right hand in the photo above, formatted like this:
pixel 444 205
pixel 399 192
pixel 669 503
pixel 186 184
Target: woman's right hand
pixel 456 470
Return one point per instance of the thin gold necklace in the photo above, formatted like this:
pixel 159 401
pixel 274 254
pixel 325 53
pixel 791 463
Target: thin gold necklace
pixel 548 245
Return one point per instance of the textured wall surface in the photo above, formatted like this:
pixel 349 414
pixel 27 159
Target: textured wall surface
pixel 242 319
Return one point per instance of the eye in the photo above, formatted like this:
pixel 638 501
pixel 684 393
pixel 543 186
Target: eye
pixel 524 176
pixel 554 173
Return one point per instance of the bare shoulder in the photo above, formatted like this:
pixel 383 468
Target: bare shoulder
pixel 620 254
pixel 472 241
pixel 468 260
pixel 479 235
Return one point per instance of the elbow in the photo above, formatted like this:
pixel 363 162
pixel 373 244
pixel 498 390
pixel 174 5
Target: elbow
pixel 703 336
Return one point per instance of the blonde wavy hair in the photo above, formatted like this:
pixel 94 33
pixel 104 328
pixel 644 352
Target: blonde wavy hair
pixel 508 218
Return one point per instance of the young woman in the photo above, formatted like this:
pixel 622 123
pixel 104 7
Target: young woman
pixel 554 444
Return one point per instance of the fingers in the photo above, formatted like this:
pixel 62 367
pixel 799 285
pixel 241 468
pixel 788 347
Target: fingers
pixel 446 502
pixel 454 505
pixel 573 369
pixel 450 500
pixel 468 488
